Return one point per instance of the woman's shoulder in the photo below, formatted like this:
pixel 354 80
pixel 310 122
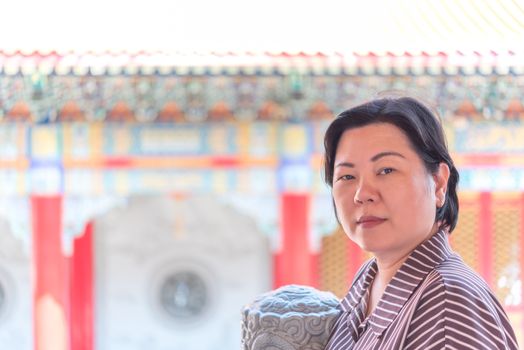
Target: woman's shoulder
pixel 464 294
pixel 456 299
pixel 454 272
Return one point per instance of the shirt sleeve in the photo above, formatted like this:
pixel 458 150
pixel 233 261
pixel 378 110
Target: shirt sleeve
pixel 459 314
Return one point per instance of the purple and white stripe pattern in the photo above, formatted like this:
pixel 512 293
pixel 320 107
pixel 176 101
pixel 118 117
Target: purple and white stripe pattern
pixel 434 301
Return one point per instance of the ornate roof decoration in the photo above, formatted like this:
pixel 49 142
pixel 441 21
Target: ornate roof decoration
pixel 43 98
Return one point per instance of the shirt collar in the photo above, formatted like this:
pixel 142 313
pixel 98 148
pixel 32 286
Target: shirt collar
pixel 420 262
pixel 360 285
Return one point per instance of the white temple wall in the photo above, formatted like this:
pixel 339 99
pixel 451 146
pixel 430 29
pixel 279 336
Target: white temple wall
pixel 206 258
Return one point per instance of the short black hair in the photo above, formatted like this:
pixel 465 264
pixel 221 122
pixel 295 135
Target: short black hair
pixel 424 131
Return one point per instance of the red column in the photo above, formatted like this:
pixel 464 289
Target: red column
pixel 50 275
pixel 354 260
pixel 82 306
pixel 485 238
pixel 295 263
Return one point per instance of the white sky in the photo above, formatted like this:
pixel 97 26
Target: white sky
pixel 249 25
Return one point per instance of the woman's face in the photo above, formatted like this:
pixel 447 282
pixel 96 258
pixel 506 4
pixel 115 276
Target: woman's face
pixel 384 197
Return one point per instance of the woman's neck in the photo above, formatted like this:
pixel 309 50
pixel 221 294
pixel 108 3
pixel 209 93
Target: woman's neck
pixel 385 272
pixel 387 267
pixel 388 264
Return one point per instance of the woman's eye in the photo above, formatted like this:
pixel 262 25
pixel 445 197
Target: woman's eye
pixel 386 171
pixel 346 177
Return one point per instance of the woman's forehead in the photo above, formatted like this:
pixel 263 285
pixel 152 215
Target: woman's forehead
pixel 373 138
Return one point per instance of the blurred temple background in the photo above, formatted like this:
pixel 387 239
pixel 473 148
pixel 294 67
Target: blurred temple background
pixel 149 189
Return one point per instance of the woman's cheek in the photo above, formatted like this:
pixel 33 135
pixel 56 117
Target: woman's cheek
pixel 344 205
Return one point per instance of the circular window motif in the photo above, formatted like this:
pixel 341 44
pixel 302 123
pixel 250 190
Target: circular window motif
pixel 183 295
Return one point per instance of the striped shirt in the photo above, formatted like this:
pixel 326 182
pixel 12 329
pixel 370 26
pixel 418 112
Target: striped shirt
pixel 434 301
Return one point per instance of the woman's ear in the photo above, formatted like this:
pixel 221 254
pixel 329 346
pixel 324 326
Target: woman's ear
pixel 441 177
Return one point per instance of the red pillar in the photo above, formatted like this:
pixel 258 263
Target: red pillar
pixel 82 306
pixel 295 263
pixel 354 260
pixel 485 238
pixel 50 275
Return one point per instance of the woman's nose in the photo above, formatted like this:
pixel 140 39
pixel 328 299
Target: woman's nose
pixel 365 193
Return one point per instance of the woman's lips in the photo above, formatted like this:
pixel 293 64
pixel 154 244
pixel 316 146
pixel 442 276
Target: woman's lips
pixel 369 221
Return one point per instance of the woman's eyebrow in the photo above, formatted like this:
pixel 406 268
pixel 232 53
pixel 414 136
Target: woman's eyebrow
pixel 385 154
pixel 345 164
pixel 373 159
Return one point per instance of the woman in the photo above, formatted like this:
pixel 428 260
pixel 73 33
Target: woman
pixel 394 192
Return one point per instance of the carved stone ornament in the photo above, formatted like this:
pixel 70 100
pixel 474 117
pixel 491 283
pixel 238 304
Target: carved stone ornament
pixel 289 318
